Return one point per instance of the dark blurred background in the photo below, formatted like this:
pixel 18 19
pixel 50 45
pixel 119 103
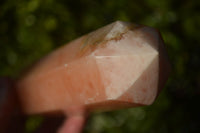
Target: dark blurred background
pixel 29 29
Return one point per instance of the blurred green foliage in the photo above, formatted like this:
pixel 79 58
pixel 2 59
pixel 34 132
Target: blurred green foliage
pixel 29 29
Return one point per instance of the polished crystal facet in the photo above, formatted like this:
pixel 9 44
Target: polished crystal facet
pixel 119 65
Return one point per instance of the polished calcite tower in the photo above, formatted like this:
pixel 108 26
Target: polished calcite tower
pixel 119 65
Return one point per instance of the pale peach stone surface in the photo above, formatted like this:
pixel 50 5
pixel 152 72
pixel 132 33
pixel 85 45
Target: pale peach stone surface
pixel 119 65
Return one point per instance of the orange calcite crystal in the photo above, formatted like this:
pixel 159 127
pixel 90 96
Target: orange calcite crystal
pixel 119 65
